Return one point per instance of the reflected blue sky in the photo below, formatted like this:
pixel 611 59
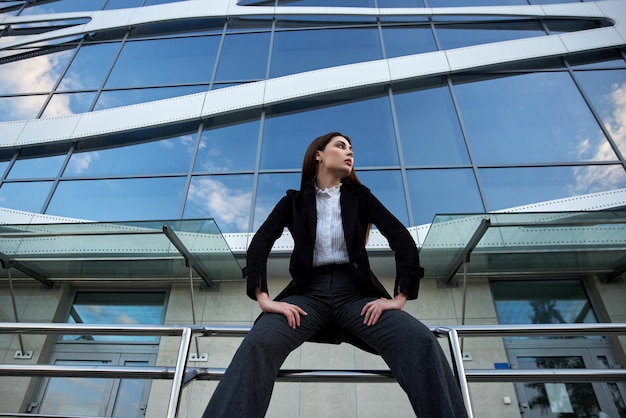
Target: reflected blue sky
pixel 464 144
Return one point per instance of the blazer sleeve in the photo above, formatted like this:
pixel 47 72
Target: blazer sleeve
pixel 255 271
pixel 408 269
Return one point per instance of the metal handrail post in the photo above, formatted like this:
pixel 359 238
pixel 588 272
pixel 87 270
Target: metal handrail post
pixel 457 360
pixel 177 380
pixel 17 319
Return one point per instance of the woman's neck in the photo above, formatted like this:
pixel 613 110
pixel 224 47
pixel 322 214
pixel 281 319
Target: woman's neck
pixel 326 182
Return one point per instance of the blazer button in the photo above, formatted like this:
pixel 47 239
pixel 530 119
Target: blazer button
pixel 355 265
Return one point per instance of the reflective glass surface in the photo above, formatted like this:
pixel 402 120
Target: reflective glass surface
pixel 429 128
pixel 542 302
pixel 463 3
pixel 117 200
pixel 510 187
pixel 243 57
pixel 388 188
pixel 460 35
pixel 330 3
pixel 442 191
pixel 116 308
pixel 36 167
pixel 72 396
pixel 89 67
pixel 400 3
pixel 179 60
pixel 230 148
pixel 172 155
pixel 64 6
pixel 299 51
pixel 406 40
pixel 607 92
pixel 20 107
pixel 26 196
pixel 33 75
pixel 537 117
pixel 68 104
pixel 227 199
pixel 271 189
pixel 367 123
pixel 117 98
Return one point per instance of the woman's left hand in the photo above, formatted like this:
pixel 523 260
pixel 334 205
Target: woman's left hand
pixel 374 309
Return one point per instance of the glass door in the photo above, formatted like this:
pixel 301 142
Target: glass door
pixel 565 400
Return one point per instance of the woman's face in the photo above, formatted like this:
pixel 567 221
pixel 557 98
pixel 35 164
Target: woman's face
pixel 337 158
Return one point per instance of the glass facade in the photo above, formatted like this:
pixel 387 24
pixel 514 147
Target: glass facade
pixel 467 142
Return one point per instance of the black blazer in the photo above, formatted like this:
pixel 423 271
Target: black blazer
pixel 359 208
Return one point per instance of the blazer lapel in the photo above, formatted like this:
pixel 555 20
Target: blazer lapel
pixel 311 211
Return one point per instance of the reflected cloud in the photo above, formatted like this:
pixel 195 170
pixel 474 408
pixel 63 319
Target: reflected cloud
pixel 81 162
pixel 229 207
pixel 37 74
pixel 591 179
pixel 126 319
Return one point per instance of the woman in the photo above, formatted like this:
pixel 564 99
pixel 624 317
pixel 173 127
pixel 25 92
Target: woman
pixel 334 297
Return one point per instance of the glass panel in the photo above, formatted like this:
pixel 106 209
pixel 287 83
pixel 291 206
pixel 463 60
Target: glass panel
pixel 406 40
pixel 510 187
pixel 442 191
pixel 467 34
pixel 614 391
pixel 388 188
pixel 122 4
pixel 243 57
pixel 179 60
pixel 542 302
pixel 249 23
pixel 89 67
pixel 539 117
pixel 306 50
pixel 559 400
pixel 129 394
pixel 429 128
pixel 400 3
pixel 172 155
pixel 607 92
pixel 72 396
pixel 20 108
pixel 118 98
pixel 329 3
pixel 64 6
pixel 32 168
pixel 27 196
pixel 228 149
pixel 68 104
pixel 33 75
pixel 116 308
pixel 116 200
pixel 272 188
pixel 464 3
pixel 367 123
pixel 226 199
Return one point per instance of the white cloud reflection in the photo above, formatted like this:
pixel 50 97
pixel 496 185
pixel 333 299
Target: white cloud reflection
pixel 229 207
pixel 591 179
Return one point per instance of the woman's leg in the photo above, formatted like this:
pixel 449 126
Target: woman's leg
pixel 414 357
pixel 246 387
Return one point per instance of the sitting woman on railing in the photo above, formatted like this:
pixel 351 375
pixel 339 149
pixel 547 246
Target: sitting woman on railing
pixel 334 296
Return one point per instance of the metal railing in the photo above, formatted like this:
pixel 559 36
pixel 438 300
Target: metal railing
pixel 181 374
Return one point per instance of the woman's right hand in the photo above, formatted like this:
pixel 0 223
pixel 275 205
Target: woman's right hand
pixel 288 310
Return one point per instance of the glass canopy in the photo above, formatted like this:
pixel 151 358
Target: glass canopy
pixel 526 244
pixel 117 251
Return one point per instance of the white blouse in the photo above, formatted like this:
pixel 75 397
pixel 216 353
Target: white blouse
pixel 330 244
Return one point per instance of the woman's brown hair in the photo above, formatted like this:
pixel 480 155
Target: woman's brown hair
pixel 309 163
pixel 309 167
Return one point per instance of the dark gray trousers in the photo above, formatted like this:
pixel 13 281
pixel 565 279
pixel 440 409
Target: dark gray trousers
pixel 407 346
